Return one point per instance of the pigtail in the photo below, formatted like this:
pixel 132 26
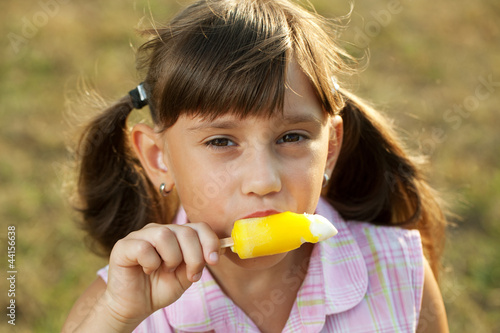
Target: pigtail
pixel 115 196
pixel 376 180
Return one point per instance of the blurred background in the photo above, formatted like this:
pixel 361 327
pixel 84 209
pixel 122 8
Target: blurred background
pixel 434 68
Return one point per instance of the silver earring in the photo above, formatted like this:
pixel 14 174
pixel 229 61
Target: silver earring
pixel 162 190
pixel 326 179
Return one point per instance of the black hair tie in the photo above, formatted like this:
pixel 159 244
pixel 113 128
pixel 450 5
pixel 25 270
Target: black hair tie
pixel 139 96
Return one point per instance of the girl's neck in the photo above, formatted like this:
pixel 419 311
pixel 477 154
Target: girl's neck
pixel 267 292
pixel 229 274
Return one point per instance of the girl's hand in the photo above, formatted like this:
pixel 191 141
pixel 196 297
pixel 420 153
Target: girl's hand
pixel 151 268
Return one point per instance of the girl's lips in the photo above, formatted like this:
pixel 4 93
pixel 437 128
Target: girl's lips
pixel 261 214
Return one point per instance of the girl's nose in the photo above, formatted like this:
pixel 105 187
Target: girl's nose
pixel 261 172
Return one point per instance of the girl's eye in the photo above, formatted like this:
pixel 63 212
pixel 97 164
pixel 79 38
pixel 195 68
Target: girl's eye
pixel 219 142
pixel 291 137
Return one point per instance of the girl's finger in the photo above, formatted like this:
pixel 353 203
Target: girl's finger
pixel 208 239
pixel 133 252
pixel 192 252
pixel 164 241
pixel 209 242
pixel 176 244
pixel 195 244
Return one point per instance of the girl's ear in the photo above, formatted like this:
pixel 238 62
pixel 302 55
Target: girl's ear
pixel 335 143
pixel 149 149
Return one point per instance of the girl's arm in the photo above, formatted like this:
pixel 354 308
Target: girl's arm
pixel 148 270
pixel 432 314
pixel 89 311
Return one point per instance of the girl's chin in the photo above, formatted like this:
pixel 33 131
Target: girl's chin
pixel 255 263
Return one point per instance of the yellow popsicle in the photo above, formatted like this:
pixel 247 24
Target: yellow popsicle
pixel 283 232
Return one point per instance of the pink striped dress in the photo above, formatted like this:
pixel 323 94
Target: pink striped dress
pixel 365 279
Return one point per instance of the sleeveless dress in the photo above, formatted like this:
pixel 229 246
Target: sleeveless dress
pixel 365 279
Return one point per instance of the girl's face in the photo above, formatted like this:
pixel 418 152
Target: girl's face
pixel 232 168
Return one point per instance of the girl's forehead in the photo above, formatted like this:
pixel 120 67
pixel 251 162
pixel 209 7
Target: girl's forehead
pixel 310 116
pixel 232 120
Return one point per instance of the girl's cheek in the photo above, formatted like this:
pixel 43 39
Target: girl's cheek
pixel 201 205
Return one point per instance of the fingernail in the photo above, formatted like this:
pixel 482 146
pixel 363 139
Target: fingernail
pixel 214 257
pixel 196 277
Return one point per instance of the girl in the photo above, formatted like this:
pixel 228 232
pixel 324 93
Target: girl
pixel 249 120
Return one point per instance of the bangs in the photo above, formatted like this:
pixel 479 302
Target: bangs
pixel 232 63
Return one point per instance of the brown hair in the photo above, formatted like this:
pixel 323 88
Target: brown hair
pixel 220 56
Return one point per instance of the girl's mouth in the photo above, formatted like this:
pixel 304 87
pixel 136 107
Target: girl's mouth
pixel 261 214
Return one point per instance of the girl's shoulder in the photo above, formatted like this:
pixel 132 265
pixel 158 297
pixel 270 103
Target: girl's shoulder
pixel 391 251
pixel 371 267
pixel 375 247
pixel 386 242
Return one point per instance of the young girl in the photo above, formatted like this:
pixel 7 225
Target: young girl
pixel 251 119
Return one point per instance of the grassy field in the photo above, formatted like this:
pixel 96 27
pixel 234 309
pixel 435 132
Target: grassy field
pixel 434 68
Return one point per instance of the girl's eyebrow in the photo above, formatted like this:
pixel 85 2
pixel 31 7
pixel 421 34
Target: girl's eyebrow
pixel 301 118
pixel 218 124
pixel 231 124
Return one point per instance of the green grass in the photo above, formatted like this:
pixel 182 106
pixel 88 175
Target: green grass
pixel 429 57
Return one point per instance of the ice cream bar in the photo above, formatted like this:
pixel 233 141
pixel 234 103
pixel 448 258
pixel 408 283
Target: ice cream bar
pixel 273 234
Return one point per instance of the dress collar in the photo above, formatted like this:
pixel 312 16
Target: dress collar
pixel 336 281
pixel 344 268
